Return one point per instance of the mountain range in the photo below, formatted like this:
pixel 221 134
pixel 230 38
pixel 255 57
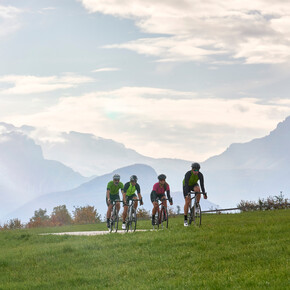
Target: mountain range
pixel 38 172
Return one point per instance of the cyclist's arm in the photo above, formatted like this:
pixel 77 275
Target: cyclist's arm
pixel 139 192
pixel 201 181
pixel 108 193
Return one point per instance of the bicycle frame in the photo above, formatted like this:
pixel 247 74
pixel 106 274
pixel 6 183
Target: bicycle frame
pixel 114 217
pixel 195 210
pixel 131 220
pixel 162 213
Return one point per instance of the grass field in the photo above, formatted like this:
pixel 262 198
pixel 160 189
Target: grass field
pixel 230 251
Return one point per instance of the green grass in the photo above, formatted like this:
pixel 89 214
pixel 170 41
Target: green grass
pixel 230 251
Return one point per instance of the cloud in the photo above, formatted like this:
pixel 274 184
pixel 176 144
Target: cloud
pixel 248 31
pixel 9 19
pixel 105 69
pixel 153 122
pixel 23 84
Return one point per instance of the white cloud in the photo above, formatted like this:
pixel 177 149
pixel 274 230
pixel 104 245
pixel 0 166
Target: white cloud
pixel 9 19
pixel 105 69
pixel 253 31
pixel 22 84
pixel 155 123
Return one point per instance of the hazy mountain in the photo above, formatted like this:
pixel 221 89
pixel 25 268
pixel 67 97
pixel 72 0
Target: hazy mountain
pixel 90 193
pixel 91 155
pixel 93 193
pixel 258 168
pixel 25 174
pixel 248 171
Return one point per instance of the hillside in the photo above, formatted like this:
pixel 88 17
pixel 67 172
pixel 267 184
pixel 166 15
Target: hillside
pixel 25 174
pixel 252 170
pixel 89 193
pixel 229 251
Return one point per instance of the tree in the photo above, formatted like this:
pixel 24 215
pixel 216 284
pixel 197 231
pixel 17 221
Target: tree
pixel 86 215
pixel 40 219
pixel 60 216
pixel 142 213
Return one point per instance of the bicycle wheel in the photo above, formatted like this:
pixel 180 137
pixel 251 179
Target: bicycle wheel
pixel 115 221
pixel 134 220
pixel 164 217
pixel 197 215
pixel 128 220
pixel 157 221
pixel 190 215
pixel 112 218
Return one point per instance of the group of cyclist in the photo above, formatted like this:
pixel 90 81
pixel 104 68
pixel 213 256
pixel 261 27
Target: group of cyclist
pixel 190 183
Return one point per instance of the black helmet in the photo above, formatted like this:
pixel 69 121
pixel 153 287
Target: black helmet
pixel 162 177
pixel 195 166
pixel 116 177
pixel 133 178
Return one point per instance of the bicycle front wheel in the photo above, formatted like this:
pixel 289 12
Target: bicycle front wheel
pixel 115 221
pixel 157 221
pixel 164 217
pixel 197 215
pixel 133 220
pixel 190 215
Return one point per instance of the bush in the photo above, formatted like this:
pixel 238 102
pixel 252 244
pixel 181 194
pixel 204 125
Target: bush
pixel 60 216
pixel 270 203
pixel 12 225
pixel 40 219
pixel 142 213
pixel 86 215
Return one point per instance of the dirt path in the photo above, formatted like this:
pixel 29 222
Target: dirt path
pixel 89 233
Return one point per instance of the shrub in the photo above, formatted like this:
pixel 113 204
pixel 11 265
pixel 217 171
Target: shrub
pixel 269 203
pixel 86 215
pixel 60 216
pixel 40 219
pixel 12 224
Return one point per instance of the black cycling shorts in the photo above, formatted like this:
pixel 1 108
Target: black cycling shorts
pixel 190 188
pixel 154 196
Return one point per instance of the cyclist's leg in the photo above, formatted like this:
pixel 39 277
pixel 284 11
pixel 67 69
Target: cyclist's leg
pixel 110 206
pixel 164 201
pixel 186 202
pixel 125 210
pixel 135 202
pixel 118 204
pixel 196 188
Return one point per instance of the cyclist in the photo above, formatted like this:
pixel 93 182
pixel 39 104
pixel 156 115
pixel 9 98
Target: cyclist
pixel 190 184
pixel 158 192
pixel 112 194
pixel 129 194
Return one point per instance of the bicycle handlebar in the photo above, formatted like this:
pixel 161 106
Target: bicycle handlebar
pixel 195 193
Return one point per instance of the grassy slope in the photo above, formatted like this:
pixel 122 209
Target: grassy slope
pixel 240 251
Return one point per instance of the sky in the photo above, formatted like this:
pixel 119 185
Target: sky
pixel 176 78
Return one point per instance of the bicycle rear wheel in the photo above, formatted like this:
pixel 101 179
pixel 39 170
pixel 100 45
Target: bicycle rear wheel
pixel 164 217
pixel 197 215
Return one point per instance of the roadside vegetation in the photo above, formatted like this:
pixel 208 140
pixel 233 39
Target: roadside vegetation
pixel 249 250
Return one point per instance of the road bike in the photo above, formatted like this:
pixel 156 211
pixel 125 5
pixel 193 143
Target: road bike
pixel 194 214
pixel 114 218
pixel 131 220
pixel 162 214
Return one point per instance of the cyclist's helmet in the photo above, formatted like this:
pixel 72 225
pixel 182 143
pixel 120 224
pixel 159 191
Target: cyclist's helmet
pixel 195 165
pixel 133 178
pixel 162 177
pixel 116 177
